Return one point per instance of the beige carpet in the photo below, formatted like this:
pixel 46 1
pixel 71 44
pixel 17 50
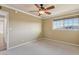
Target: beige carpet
pixel 44 47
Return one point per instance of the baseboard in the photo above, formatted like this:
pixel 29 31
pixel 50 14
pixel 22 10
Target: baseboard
pixel 21 44
pixel 3 49
pixel 68 43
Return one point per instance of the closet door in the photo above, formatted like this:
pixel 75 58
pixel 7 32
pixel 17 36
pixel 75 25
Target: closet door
pixel 2 40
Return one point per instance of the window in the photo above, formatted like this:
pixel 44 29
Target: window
pixel 58 24
pixel 70 23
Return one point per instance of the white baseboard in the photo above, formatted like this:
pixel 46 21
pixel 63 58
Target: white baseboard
pixel 68 43
pixel 21 44
pixel 43 38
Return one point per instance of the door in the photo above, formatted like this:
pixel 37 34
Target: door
pixel 2 30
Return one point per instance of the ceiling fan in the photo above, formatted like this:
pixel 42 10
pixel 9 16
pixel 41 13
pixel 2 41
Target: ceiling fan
pixel 42 9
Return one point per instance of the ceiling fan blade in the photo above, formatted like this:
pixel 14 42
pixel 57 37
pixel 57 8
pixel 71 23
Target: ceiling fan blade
pixel 37 6
pixel 51 7
pixel 47 12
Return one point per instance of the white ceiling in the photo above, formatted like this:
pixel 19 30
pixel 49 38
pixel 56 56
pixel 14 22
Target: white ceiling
pixel 59 8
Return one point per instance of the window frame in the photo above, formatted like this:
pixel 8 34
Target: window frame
pixel 63 23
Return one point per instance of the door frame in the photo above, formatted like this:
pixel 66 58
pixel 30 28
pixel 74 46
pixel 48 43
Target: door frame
pixel 6 26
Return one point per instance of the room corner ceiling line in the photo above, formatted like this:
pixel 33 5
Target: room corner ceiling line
pixel 20 11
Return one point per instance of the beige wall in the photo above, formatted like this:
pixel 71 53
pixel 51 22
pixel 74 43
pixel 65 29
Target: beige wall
pixel 63 35
pixel 1 42
pixel 22 27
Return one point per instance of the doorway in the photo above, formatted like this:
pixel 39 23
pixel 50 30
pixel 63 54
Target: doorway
pixel 3 34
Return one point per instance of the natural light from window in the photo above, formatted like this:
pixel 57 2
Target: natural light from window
pixel 70 23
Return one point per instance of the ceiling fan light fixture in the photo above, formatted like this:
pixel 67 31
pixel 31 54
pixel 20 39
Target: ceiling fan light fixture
pixel 41 12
